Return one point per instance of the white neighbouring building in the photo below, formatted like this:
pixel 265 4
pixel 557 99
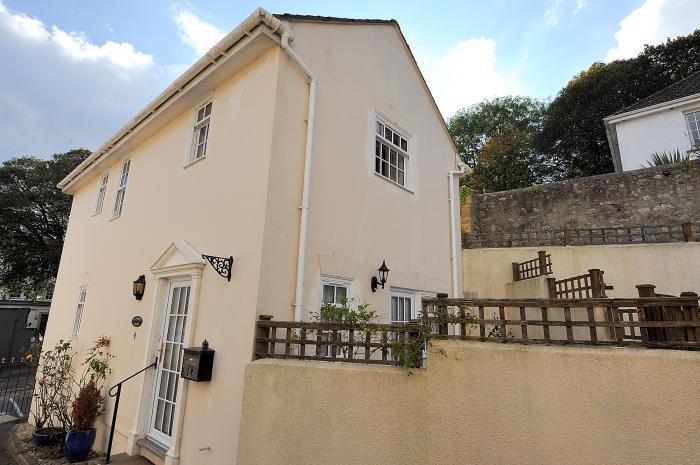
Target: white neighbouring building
pixel 307 148
pixel 665 121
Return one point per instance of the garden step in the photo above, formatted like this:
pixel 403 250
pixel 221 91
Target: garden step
pixel 124 459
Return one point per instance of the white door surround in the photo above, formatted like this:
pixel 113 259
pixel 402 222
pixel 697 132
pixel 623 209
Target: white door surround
pixel 179 263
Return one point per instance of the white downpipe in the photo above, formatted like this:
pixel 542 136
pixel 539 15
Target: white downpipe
pixel 454 235
pixel 304 208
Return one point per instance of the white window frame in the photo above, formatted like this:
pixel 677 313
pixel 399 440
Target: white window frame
pixel 101 193
pixel 403 294
pixel 403 152
pixel 121 189
pixel 336 282
pixel 694 143
pixel 79 311
pixel 197 125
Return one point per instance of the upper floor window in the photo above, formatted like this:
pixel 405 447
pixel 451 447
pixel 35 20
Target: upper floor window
pixel 101 191
pixel 693 120
pixel 78 317
pixel 201 132
pixel 391 153
pixel 121 189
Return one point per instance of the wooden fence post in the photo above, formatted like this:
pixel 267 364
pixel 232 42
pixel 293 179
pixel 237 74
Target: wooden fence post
pixel 443 327
pixel 646 314
pixel 263 347
pixel 542 257
pixel 597 286
pixel 691 311
pixel 687 232
pixel 552 287
pixel 516 271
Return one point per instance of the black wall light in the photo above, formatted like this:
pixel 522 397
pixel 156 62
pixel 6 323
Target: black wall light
pixel 139 287
pixel 381 280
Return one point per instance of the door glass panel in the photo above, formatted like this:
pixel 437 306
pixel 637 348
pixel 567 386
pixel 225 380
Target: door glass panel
pixel 168 376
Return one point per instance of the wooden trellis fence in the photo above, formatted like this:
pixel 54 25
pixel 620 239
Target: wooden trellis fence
pixel 540 266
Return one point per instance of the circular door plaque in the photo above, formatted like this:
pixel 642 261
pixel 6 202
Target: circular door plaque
pixel 136 321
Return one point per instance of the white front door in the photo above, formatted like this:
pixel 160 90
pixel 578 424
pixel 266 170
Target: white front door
pixel 165 396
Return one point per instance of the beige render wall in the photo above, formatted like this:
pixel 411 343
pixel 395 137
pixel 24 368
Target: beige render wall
pixel 672 267
pixel 279 253
pixel 482 403
pixel 356 218
pixel 217 204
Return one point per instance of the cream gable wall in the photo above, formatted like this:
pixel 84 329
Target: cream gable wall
pixel 355 216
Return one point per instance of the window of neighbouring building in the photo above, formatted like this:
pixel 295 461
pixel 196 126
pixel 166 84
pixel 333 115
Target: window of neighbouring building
pixel 693 120
pixel 391 148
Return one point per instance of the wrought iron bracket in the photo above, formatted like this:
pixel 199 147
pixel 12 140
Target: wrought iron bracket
pixel 221 265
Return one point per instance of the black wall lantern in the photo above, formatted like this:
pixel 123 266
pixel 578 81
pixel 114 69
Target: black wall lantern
pixel 381 280
pixel 139 287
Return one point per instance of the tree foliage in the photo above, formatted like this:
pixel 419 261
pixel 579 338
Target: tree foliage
pixel 33 218
pixel 512 141
pixel 573 133
pixel 496 138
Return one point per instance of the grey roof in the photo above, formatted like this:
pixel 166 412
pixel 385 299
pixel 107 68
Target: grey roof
pixel 331 19
pixel 683 88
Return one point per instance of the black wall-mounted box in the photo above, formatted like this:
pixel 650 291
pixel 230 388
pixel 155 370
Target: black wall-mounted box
pixel 197 363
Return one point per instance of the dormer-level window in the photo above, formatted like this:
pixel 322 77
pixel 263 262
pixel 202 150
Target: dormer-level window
pixel 121 190
pixel 201 132
pixel 391 153
pixel 693 120
pixel 101 191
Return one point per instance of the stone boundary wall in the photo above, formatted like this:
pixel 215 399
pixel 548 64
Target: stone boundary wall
pixel 659 196
pixel 477 403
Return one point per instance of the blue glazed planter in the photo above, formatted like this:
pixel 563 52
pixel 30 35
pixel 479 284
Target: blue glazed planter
pixel 49 436
pixel 78 445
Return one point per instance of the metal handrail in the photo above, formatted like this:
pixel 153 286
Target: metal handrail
pixel 117 394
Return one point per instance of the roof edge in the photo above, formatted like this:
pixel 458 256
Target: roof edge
pixel 616 118
pixel 330 19
pixel 213 57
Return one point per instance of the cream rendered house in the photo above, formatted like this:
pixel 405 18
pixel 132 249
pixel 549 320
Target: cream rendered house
pixel 307 148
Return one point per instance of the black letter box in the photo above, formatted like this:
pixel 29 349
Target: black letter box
pixel 197 363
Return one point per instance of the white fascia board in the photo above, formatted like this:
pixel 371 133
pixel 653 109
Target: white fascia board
pixel 659 107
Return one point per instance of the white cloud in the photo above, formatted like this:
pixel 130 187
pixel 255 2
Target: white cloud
pixel 198 34
pixel 467 74
pixel 60 91
pixel 559 8
pixel 580 5
pixel 551 16
pixel 652 23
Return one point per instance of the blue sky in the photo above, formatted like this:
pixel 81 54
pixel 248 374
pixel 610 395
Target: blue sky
pixel 76 71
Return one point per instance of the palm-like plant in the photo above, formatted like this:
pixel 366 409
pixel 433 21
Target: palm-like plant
pixel 666 158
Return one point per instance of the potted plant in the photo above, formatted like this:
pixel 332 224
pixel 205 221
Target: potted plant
pixel 86 408
pixel 89 402
pixel 54 378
